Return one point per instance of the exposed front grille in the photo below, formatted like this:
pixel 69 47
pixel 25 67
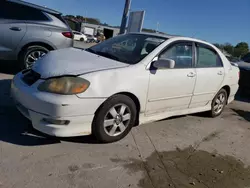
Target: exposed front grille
pixel 30 77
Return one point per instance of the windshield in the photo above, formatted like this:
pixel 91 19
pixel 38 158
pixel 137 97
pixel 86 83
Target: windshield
pixel 233 59
pixel 129 48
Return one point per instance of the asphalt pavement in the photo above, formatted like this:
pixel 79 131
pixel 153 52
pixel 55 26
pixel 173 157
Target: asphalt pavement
pixel 186 151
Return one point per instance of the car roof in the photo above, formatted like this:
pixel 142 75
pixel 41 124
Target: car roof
pixel 171 36
pixel 45 9
pixel 155 34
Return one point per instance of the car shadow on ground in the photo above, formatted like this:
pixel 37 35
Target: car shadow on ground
pixel 9 67
pixel 16 129
pixel 243 114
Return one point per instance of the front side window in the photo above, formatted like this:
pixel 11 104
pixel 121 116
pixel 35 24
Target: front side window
pixel 181 53
pixel 207 57
pixel 129 48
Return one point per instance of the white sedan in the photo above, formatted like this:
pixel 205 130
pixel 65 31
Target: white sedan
pixel 79 36
pixel 107 89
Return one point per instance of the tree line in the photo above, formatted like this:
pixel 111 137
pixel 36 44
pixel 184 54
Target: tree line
pixel 79 18
pixel 239 50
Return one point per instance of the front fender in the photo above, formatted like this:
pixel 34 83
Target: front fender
pixel 103 84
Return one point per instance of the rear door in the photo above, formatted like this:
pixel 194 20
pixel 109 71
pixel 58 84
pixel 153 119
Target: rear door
pixel 12 29
pixel 210 75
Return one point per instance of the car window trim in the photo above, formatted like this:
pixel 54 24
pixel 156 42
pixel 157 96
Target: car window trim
pixel 173 43
pixel 207 47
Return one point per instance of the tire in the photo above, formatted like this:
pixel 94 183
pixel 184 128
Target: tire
pixel 217 102
pixel 33 51
pixel 81 39
pixel 114 129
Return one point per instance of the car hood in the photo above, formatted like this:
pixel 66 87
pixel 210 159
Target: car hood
pixel 72 61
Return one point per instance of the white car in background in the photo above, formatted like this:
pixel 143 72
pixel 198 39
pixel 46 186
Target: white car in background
pixel 79 36
pixel 91 38
pixel 108 89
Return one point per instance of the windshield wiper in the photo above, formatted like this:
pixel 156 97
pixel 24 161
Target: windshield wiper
pixel 91 50
pixel 108 55
pixel 104 54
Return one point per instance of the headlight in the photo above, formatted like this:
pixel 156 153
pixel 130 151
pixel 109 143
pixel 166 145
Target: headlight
pixel 64 85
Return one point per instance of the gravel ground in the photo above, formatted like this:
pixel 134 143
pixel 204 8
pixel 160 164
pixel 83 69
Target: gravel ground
pixel 186 151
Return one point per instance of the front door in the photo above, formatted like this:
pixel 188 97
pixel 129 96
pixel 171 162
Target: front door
pixel 172 89
pixel 210 74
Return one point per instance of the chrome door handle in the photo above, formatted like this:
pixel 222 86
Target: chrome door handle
pixel 191 74
pixel 15 29
pixel 220 73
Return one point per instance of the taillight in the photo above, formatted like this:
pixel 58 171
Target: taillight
pixel 239 74
pixel 68 34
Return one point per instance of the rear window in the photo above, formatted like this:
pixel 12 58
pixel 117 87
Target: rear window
pixel 14 11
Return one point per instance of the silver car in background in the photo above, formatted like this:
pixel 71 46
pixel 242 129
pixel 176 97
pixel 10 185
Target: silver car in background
pixel 28 32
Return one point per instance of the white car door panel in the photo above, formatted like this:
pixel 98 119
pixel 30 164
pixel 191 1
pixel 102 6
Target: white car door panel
pixel 172 89
pixel 210 75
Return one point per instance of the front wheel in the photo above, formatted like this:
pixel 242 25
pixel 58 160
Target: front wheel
pixel 218 104
pixel 31 54
pixel 114 119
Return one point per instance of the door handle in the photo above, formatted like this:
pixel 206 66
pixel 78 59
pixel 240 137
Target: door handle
pixel 220 73
pixel 15 29
pixel 191 74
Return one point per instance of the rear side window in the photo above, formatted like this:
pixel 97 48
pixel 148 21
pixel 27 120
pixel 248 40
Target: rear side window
pixel 207 57
pixel 15 11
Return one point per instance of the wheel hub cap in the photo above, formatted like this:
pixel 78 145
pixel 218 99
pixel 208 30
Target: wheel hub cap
pixel 117 120
pixel 219 103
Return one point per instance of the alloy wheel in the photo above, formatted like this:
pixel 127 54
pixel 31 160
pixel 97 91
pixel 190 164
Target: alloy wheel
pixel 219 103
pixel 32 57
pixel 117 120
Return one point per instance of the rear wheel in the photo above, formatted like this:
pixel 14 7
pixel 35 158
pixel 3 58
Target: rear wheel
pixel 114 119
pixel 30 55
pixel 81 39
pixel 219 102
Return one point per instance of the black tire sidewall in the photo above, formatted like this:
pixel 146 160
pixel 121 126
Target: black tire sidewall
pixel 81 39
pixel 29 50
pixel 213 114
pixel 97 126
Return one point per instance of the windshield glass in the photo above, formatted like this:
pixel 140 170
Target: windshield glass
pixel 233 59
pixel 130 48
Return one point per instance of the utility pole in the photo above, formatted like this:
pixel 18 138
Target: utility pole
pixel 125 16
pixel 157 27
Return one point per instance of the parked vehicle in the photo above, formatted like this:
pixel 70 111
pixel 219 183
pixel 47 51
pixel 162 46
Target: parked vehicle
pixel 91 38
pixel 106 89
pixel 246 58
pixel 79 36
pixel 240 63
pixel 30 31
pixel 234 59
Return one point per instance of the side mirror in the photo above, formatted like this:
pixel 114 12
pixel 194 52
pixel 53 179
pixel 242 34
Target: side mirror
pixel 164 64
